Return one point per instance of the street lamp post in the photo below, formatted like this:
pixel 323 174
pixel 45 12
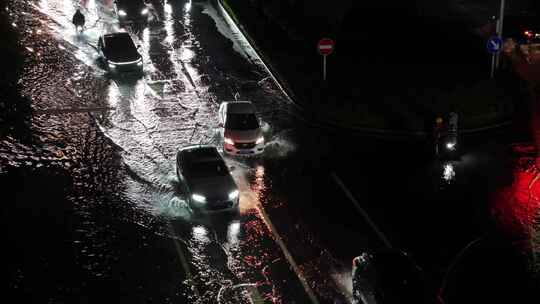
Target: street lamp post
pixel 498 35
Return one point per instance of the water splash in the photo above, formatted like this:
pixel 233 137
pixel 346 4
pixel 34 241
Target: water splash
pixel 279 147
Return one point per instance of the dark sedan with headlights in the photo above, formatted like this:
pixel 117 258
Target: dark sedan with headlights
pixel 119 53
pixel 131 10
pixel 208 182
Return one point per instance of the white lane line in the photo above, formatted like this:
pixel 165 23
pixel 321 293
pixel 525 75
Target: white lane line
pixel 454 262
pixel 183 261
pixel 254 295
pixel 250 201
pixel 361 210
pixel 287 254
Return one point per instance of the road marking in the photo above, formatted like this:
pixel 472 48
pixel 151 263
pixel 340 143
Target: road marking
pixel 254 295
pixel 454 262
pixel 183 260
pixel 361 210
pixel 249 200
pixel 287 254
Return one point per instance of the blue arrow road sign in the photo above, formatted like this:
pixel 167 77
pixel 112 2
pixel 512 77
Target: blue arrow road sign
pixel 494 44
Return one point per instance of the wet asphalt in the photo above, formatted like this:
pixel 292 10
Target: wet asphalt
pixel 95 213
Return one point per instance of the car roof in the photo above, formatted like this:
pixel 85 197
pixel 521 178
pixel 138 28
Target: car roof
pixel 240 107
pixel 199 153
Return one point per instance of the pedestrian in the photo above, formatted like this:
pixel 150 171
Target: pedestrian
pixel 78 20
pixel 453 122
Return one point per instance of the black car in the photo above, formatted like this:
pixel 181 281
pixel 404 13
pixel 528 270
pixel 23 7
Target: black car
pixel 388 277
pixel 208 182
pixel 119 53
pixel 131 10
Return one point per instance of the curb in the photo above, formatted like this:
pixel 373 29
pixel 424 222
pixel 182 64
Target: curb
pixel 272 71
pixel 329 124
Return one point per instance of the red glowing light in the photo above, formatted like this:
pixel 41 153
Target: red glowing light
pixel 516 207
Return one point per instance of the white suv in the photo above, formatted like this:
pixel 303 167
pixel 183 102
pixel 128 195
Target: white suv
pixel 241 130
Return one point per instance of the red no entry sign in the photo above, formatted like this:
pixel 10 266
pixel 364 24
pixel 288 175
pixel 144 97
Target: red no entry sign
pixel 325 46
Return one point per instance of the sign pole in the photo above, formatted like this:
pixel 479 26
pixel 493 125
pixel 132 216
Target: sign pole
pixel 494 55
pixel 325 48
pixel 499 30
pixel 494 46
pixel 492 65
pixel 324 67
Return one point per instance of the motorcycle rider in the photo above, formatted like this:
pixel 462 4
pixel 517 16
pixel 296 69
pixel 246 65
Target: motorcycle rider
pixel 78 19
pixel 453 122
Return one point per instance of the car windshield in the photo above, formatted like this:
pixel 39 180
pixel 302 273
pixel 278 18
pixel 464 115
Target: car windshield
pixel 119 42
pixel 242 121
pixel 207 169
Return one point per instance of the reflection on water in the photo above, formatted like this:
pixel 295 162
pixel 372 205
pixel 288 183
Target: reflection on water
pixel 200 234
pixel 249 191
pixel 516 207
pixel 233 232
pixel 449 173
pixel 145 132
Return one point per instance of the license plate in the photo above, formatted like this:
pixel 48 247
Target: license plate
pixel 244 152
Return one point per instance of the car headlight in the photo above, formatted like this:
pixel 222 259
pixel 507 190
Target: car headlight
pixel 122 13
pixel 228 141
pixel 112 66
pixel 233 195
pixel 144 11
pixel 198 198
pixel 259 140
pixel 139 63
pixel 450 145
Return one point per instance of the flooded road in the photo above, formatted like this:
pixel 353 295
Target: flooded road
pixel 107 144
pixel 122 133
